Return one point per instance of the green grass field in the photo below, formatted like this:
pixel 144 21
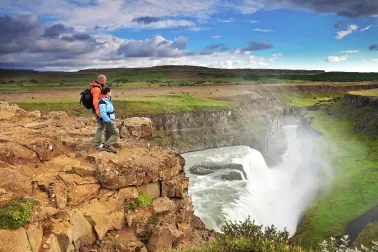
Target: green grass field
pixel 299 101
pixel 131 106
pixel 369 92
pixel 354 160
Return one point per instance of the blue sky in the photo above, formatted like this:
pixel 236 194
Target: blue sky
pixel 339 35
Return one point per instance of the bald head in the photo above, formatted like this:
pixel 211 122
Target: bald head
pixel 102 79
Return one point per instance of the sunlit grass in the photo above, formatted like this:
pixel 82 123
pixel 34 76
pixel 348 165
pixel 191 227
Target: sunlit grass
pixel 368 92
pixel 354 160
pixel 131 106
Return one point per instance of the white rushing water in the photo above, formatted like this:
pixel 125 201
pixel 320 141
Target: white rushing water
pixel 275 195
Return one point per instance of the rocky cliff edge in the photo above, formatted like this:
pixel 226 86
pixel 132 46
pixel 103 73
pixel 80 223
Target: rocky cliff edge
pixel 82 193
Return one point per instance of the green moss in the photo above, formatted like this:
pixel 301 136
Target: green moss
pixel 354 162
pixel 143 201
pixel 17 213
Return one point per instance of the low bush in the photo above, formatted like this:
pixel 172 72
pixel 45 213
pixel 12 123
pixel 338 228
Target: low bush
pixel 17 213
pixel 143 201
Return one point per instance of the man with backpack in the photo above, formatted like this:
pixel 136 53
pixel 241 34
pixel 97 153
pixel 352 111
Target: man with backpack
pixel 106 122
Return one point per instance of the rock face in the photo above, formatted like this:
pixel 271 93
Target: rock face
pixel 210 167
pixel 361 101
pixel 232 176
pixel 82 193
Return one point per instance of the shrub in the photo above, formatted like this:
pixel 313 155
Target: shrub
pixel 143 201
pixel 15 214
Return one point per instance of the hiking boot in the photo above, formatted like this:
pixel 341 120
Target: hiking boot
pixel 109 149
pixel 99 147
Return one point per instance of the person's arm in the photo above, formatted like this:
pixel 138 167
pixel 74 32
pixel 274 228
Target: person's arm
pixel 96 95
pixel 102 108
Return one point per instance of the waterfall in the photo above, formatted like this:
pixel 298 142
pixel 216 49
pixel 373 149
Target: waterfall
pixel 276 195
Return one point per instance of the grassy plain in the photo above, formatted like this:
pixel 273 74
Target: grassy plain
pixel 369 92
pixel 127 107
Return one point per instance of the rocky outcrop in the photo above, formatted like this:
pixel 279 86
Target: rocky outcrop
pixel 210 167
pixel 361 101
pixel 82 193
pixel 255 121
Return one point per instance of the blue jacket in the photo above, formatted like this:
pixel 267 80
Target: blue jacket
pixel 106 109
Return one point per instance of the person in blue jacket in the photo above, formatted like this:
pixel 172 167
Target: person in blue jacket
pixel 107 122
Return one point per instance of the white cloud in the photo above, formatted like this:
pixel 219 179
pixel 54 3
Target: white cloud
pixel 337 58
pixel 228 20
pixel 275 57
pixel 375 60
pixel 263 30
pixel 342 34
pixel 368 27
pixel 216 37
pixel 252 21
pixel 199 28
pixel 350 51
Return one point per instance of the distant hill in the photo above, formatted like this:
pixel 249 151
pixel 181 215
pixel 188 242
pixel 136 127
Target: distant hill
pixel 193 73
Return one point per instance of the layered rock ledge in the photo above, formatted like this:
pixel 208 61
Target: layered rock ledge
pixel 82 193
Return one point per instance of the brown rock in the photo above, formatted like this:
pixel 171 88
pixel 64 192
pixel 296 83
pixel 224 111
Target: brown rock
pixel 71 179
pixel 53 244
pixel 73 229
pixel 163 237
pixel 62 163
pixel 185 209
pixel 127 242
pixel 163 205
pixel 35 114
pixel 151 189
pixel 127 194
pixel 103 219
pixel 37 126
pixel 136 127
pixel 58 115
pixel 35 235
pixel 141 166
pixel 14 181
pixel 82 193
pixel 177 188
pixel 14 240
pixel 16 154
pixel 85 171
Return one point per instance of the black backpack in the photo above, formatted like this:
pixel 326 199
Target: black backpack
pixel 87 99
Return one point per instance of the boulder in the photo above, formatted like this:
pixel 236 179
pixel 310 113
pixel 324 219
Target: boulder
pixel 14 183
pixel 58 115
pixel 163 205
pixel 127 242
pixel 85 170
pixel 127 194
pixel 73 231
pixel 205 168
pixel 136 127
pixel 232 176
pixel 141 166
pixel 185 210
pixel 82 193
pixel 163 236
pixel 52 244
pixel 14 240
pixel 35 114
pixel 151 189
pixel 35 235
pixel 102 218
pixel 177 188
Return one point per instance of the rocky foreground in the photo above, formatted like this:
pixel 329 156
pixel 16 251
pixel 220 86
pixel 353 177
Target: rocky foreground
pixel 82 193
